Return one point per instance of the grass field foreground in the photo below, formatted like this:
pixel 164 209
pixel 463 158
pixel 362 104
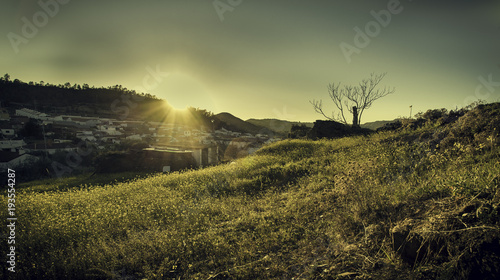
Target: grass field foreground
pixel 392 205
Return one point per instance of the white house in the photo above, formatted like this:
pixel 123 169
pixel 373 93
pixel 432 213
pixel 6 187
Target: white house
pixel 11 144
pixel 135 137
pixel 223 131
pixel 59 141
pixel 206 142
pixel 110 130
pixel 32 114
pixel 77 120
pixel 86 136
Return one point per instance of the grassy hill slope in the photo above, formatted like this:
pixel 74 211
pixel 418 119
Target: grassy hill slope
pixel 415 203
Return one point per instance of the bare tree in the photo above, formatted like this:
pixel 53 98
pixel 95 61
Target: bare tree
pixel 353 99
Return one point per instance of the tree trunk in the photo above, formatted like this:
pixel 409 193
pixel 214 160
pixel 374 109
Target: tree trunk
pixel 355 121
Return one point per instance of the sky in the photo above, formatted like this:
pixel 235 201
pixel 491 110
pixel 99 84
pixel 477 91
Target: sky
pixel 261 59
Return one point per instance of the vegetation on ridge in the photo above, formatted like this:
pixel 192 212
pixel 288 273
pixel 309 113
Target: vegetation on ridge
pixel 419 202
pixel 115 102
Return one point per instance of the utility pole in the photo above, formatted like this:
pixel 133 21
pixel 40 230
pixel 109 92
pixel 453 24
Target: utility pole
pixel 45 140
pixel 411 107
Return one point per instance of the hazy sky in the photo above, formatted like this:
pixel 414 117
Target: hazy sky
pixel 260 59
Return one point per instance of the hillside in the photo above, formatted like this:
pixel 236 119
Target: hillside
pixel 375 125
pixel 419 200
pixel 230 122
pixel 86 100
pixel 114 102
pixel 278 126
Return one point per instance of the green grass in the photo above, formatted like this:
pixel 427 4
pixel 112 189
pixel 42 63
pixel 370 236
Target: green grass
pixel 297 208
pixel 78 181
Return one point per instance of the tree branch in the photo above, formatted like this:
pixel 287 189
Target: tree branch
pixel 318 107
pixel 361 96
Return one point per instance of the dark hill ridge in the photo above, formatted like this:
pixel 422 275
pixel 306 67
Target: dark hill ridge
pixel 230 122
pixel 112 102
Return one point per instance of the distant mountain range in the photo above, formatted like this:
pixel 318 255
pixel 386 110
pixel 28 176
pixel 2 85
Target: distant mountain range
pixel 278 126
pixel 376 124
pixel 275 126
pixel 230 122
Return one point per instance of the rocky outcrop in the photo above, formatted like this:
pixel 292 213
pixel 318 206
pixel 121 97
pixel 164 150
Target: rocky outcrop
pixel 333 129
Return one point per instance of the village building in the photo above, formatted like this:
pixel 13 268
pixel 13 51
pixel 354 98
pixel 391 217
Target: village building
pixel 50 148
pixel 134 137
pixel 86 136
pixel 10 159
pixel 32 114
pixel 60 141
pixel 18 122
pixel 7 131
pixel 4 114
pixel 11 144
pixel 76 121
pixel 110 130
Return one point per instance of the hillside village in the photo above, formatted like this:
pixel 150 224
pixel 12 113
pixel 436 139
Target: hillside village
pixel 28 135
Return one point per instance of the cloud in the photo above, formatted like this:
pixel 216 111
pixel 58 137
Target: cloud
pixel 279 51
